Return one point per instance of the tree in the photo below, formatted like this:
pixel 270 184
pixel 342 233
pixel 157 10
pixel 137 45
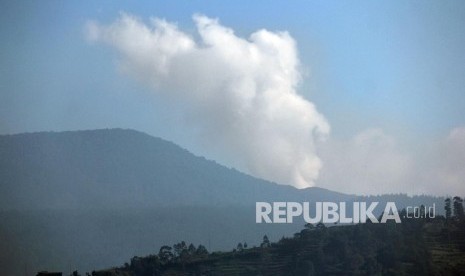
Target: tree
pixel 180 249
pixel 265 242
pixel 309 226
pixel 245 245
pixel 422 211
pixel 239 247
pixel 201 250
pixel 191 249
pixel 320 226
pixel 458 207
pixel 165 254
pixel 447 208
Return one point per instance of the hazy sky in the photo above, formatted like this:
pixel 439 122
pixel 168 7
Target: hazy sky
pixel 380 85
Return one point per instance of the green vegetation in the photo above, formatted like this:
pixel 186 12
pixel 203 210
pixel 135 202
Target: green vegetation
pixel 417 246
pixel 100 197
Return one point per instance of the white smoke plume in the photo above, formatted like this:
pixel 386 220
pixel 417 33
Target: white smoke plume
pixel 240 93
pixel 445 165
pixel 373 163
pixel 370 163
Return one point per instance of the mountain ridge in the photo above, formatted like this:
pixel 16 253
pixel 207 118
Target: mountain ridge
pixel 95 198
pixel 111 162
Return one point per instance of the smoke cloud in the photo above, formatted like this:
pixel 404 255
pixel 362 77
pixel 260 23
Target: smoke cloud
pixel 369 163
pixel 445 164
pixel 239 94
pixel 373 162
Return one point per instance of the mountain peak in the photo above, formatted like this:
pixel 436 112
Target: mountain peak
pixel 120 168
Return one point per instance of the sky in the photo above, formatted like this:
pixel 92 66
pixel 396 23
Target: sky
pixel 359 97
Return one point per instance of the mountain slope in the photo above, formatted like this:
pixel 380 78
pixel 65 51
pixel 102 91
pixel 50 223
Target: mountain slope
pixel 415 247
pixel 123 168
pixel 93 199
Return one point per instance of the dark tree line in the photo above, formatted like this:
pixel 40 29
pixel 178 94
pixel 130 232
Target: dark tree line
pixel 360 249
pixel 456 209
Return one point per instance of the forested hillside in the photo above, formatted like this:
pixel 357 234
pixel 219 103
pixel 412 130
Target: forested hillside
pixel 92 199
pixel 417 246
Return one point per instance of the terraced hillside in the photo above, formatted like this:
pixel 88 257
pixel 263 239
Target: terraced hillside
pixel 414 247
pixel 446 244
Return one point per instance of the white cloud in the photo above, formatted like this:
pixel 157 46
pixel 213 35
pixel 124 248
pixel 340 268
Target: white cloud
pixel 240 94
pixel 369 163
pixel 443 166
pixel 239 97
pixel 373 162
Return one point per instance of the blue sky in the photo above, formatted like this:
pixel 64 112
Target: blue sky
pixel 394 65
